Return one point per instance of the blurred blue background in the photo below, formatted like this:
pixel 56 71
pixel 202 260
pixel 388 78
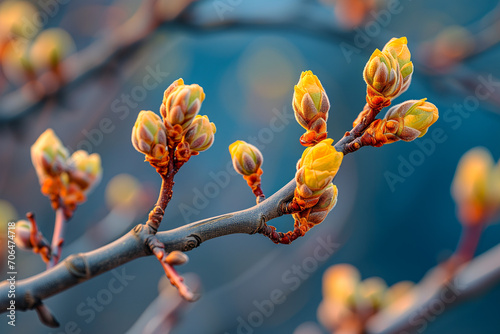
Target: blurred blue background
pixel 247 55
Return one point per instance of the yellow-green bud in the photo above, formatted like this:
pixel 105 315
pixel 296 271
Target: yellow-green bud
pixel 370 294
pixel 340 283
pixel 318 166
pixel 200 134
pixel 149 135
pixel 50 47
pixel 415 117
pixel 388 73
pixel 311 106
pixel 326 203
pixel 48 155
pixel 181 103
pixel 13 17
pixel 85 170
pixel 246 158
pixel 476 187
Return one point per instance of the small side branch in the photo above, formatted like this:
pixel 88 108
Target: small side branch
pixel 57 238
pixel 81 267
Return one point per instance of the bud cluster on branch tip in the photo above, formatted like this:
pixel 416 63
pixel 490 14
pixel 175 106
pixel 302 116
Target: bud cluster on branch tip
pixel 181 103
pixel 308 218
pixel 315 171
pixel 149 136
pixel 349 300
pixel 388 73
pixel 180 134
pixel 476 187
pixel 61 177
pixel 311 106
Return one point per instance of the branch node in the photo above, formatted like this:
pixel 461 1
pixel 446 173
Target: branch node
pixel 193 241
pixel 78 266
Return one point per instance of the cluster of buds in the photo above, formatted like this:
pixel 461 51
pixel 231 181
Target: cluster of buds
pixel 476 188
pixel 315 171
pixel 406 121
pixel 247 161
pixel 181 132
pixel 24 52
pixel 348 301
pixel 311 106
pixel 388 73
pixel 65 179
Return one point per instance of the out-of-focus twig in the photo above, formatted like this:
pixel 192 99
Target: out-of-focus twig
pixel 138 27
pixel 435 289
pixel 164 312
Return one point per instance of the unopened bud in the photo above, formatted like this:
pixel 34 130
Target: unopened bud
pixel 181 103
pixel 85 170
pixel 311 106
pixel 176 258
pixel 415 118
pixel 48 155
pixel 200 134
pixel 149 135
pixel 320 210
pixel 23 234
pixel 50 47
pixel 340 282
pixel 388 73
pixel 13 17
pixel 318 166
pixel 370 294
pixel 475 187
pixel 246 158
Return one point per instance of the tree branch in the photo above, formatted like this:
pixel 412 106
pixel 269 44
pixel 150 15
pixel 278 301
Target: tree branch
pixel 79 268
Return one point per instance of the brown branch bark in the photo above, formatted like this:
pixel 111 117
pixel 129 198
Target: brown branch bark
pixel 79 268
pixel 57 238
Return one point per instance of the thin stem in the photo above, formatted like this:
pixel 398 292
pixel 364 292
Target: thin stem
pixel 175 279
pixel 40 245
pixel 468 242
pixel 366 117
pixel 57 238
pixel 167 174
